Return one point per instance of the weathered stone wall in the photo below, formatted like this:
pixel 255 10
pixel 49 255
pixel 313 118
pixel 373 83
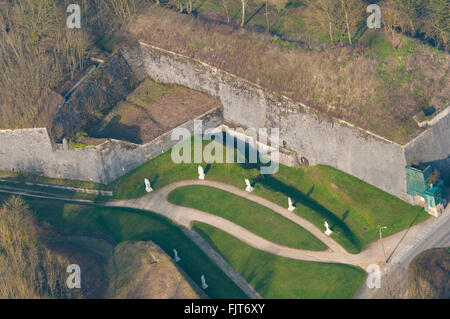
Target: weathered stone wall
pixel 433 145
pixel 317 137
pixel 305 132
pixel 31 151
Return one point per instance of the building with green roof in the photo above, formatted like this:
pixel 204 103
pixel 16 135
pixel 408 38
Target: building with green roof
pixel 425 187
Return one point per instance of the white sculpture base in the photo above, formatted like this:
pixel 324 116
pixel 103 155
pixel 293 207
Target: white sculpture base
pixel 154 258
pixel 204 285
pixel 176 258
pixel 291 208
pixel 328 232
pixel 148 188
pixel 202 177
pixel 249 189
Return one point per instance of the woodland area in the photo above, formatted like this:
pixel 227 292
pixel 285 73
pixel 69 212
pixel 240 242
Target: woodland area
pixel 38 52
pixel 339 20
pixel 28 269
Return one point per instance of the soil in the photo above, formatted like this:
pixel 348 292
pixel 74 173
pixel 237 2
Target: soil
pixel 152 110
pixel 429 275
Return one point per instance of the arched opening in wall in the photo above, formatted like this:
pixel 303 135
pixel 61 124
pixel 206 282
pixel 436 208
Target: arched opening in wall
pixel 304 161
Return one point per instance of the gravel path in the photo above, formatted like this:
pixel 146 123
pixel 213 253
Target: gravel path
pixel 157 202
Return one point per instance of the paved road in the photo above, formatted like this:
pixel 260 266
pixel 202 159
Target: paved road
pixel 435 235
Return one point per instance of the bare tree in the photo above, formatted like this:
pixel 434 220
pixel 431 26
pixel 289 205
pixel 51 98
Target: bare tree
pixel 322 16
pixel 336 17
pixel 243 5
pixel 123 9
pixel 224 4
pixel 29 269
pixel 36 51
pixel 350 13
pixel 436 22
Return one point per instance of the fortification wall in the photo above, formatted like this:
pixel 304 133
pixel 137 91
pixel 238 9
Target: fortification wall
pixel 317 137
pixel 31 151
pixel 433 145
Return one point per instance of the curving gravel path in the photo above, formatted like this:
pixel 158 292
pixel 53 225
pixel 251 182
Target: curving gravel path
pixel 157 202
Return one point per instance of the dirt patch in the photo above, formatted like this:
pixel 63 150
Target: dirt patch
pixel 151 110
pixel 130 270
pixel 141 270
pixel 429 275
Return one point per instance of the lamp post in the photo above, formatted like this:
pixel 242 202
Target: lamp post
pixel 382 246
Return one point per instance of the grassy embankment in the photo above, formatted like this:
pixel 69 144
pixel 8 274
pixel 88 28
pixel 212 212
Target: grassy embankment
pixel 279 277
pixel 354 209
pixel 252 216
pixel 120 225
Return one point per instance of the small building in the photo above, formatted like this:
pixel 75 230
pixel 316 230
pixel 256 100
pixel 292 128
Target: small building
pixel 423 186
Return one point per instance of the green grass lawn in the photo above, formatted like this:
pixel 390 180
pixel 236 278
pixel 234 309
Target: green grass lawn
pixel 119 225
pixel 354 209
pixel 252 216
pixel 279 277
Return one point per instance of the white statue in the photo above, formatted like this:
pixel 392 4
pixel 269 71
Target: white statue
pixel 328 231
pixel 176 258
pixel 204 285
pixel 201 173
pixel 154 258
pixel 291 206
pixel 148 189
pixel 249 187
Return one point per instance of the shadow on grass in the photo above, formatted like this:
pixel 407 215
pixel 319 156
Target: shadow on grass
pixel 207 168
pixel 275 185
pixel 260 270
pixel 208 239
pixel 413 222
pixel 346 213
pixel 257 272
